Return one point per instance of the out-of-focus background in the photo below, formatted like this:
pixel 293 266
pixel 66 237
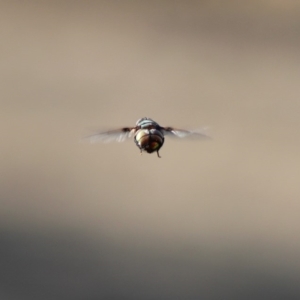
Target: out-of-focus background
pixel 209 220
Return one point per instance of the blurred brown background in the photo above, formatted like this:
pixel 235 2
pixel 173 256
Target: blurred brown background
pixel 209 220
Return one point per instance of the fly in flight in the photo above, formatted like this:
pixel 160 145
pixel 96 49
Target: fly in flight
pixel 148 135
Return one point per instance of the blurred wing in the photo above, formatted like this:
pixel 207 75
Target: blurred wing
pixel 118 135
pixel 181 133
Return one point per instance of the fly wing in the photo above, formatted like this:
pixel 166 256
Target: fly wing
pixel 118 135
pixel 181 133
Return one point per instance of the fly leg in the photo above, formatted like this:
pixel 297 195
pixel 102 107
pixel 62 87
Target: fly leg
pixel 158 154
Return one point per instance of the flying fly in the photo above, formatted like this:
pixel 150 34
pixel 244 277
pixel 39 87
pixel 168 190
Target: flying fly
pixel 148 135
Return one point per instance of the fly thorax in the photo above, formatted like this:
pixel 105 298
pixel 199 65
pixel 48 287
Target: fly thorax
pixel 145 123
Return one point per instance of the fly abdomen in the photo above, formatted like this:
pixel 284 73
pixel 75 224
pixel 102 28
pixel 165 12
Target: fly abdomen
pixel 149 140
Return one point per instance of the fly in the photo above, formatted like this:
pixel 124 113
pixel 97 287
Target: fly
pixel 148 135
